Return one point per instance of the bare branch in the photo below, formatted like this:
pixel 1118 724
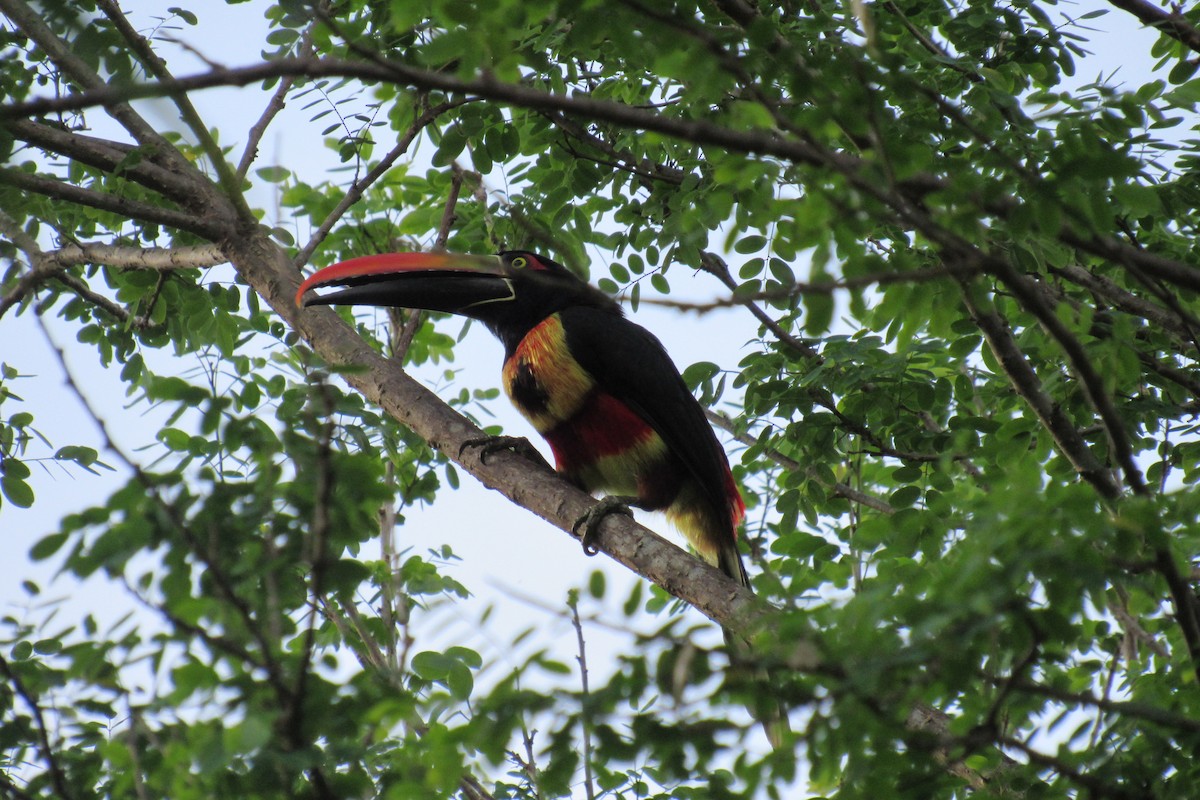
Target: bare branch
pixel 585 721
pixel 118 158
pixel 162 259
pixel 714 265
pixel 276 103
pixel 1169 23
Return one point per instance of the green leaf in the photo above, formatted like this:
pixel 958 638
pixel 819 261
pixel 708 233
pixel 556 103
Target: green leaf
pixel 750 244
pixel 460 681
pixel 430 665
pixel 47 546
pixel 47 647
pixel 596 584
pixel 16 490
pixel 273 174
pixel 183 14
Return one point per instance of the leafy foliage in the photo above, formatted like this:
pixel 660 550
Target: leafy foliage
pixel 967 432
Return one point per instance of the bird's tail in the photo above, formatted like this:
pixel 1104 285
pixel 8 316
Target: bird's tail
pixel 765 706
pixel 714 537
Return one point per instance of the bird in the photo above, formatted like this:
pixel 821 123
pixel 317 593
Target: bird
pixel 599 388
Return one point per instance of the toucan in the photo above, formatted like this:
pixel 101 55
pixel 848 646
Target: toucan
pixel 601 389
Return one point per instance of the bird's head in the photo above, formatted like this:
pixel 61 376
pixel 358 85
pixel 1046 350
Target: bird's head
pixel 510 292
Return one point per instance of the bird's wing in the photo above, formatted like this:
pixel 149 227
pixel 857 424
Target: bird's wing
pixel 630 363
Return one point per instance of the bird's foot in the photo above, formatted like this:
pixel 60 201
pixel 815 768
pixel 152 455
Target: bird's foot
pixel 494 444
pixel 590 522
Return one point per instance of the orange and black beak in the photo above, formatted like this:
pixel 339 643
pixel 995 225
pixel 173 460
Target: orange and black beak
pixel 457 284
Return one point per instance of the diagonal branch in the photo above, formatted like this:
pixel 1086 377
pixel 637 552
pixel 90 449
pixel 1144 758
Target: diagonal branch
pixel 1169 23
pixel 201 225
pixel 1025 381
pixel 276 103
pixel 1081 364
pixel 32 25
pixel 58 778
pixel 1181 322
pixel 229 181
pixel 117 158
pixel 267 269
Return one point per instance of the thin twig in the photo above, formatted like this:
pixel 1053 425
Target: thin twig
pixel 58 777
pixel 357 189
pixel 1170 23
pixel 274 105
pixel 714 265
pixel 585 716
pixel 403 332
pixel 799 288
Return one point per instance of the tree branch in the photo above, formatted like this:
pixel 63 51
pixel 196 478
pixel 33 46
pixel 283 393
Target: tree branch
pixel 1182 323
pixel 31 24
pixel 58 778
pixel 206 227
pixel 382 381
pixel 1171 23
pixel 1089 378
pixel 699 131
pixel 840 489
pixel 714 265
pixel 229 181
pixel 161 259
pixel 1025 381
pixel 276 103
pixel 118 158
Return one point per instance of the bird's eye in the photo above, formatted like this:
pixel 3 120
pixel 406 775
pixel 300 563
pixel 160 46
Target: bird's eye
pixel 520 262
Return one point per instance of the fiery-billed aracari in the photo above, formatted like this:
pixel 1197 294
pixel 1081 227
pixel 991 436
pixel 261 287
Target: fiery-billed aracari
pixel 600 389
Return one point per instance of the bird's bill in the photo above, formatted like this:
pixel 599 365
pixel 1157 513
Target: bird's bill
pixel 433 281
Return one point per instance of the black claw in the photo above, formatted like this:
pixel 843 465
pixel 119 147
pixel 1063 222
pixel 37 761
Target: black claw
pixel 595 515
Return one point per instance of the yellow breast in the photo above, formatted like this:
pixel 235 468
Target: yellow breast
pixel 543 380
